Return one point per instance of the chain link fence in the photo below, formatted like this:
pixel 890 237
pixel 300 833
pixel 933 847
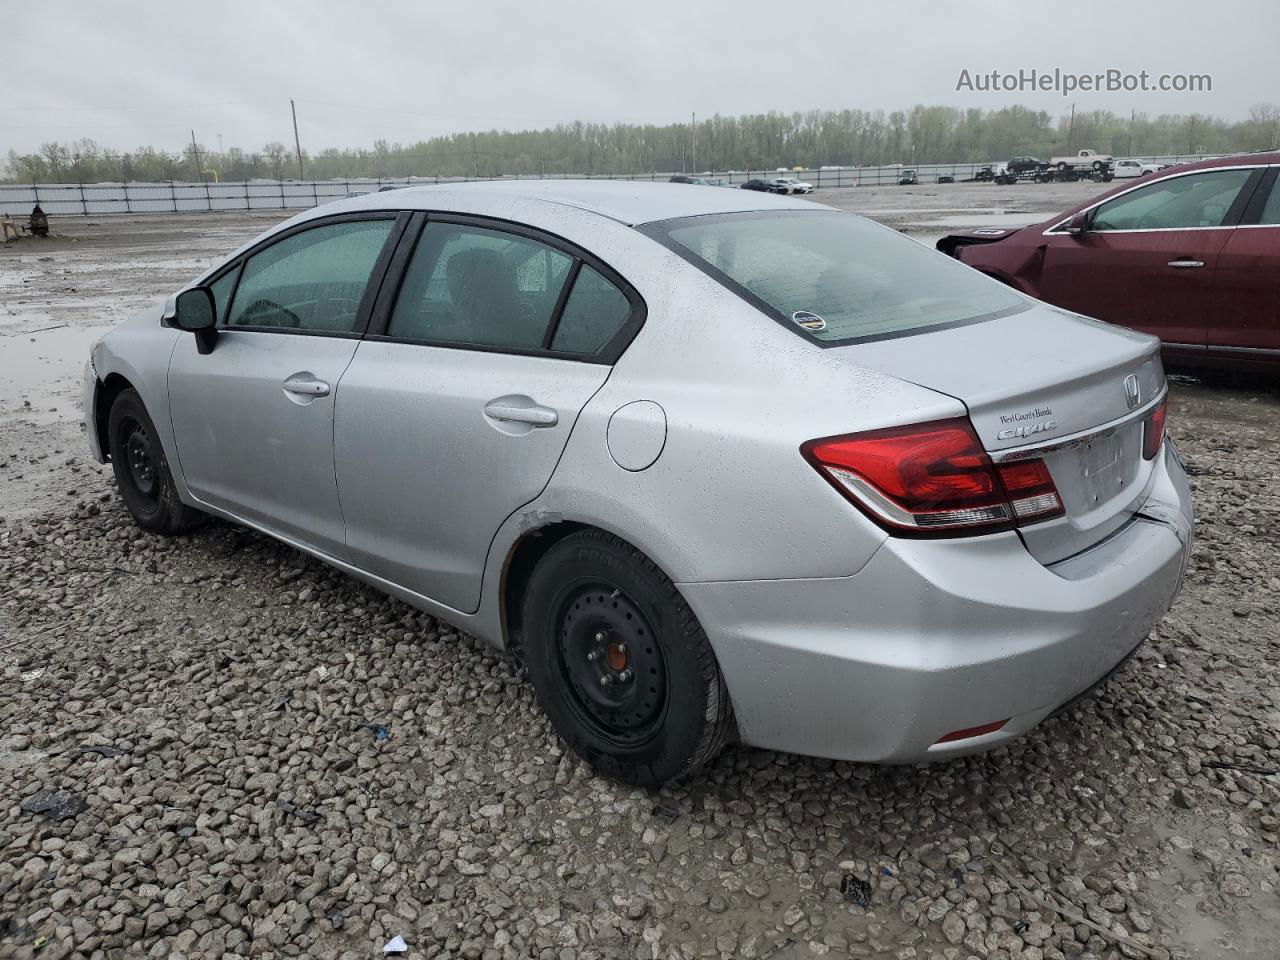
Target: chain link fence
pixel 95 199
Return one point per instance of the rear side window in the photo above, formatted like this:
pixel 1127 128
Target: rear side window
pixel 594 312
pixel 311 281
pixel 481 287
pixel 1271 212
pixel 836 278
pixel 1195 200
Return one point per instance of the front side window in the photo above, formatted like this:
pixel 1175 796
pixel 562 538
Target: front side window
pixel 221 290
pixel 1195 200
pixel 836 277
pixel 311 281
pixel 481 287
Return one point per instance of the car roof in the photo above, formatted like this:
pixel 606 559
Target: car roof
pixel 626 201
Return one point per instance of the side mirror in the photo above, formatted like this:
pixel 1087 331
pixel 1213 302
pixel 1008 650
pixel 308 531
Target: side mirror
pixel 195 312
pixel 1079 223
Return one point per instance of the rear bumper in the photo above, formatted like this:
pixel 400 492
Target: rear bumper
pixel 936 636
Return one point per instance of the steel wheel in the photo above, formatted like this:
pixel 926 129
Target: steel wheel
pixel 141 470
pixel 620 663
pixel 140 458
pixel 611 664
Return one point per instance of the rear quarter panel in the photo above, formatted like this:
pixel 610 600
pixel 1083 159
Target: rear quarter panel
pixel 730 497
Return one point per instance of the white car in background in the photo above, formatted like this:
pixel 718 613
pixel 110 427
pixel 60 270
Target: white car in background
pixel 1134 168
pixel 793 185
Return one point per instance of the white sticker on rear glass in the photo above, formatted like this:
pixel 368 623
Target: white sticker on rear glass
pixel 810 321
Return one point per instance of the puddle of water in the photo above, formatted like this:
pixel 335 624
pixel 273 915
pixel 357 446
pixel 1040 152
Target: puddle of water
pixel 44 368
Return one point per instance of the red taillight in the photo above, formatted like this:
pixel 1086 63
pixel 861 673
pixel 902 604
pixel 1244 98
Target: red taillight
pixel 1031 490
pixel 1153 431
pixel 934 479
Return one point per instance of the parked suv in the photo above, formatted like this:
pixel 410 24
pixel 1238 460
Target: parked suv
pixel 765 186
pixel 1023 164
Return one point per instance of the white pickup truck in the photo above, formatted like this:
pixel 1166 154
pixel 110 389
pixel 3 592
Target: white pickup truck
pixel 1083 160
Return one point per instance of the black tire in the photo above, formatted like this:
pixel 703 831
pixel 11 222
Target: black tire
pixel 142 470
pixel 596 607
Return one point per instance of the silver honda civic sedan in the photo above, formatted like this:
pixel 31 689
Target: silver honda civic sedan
pixel 716 465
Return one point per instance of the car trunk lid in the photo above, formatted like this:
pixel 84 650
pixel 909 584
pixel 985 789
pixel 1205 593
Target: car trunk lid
pixel 1047 383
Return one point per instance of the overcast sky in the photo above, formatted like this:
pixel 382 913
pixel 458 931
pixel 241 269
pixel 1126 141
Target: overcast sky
pixel 129 73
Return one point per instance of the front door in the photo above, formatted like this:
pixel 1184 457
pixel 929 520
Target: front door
pixel 253 419
pixel 457 413
pixel 1147 257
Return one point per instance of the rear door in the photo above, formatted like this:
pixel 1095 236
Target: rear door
pixel 457 406
pixel 253 419
pixel 1246 322
pixel 1147 257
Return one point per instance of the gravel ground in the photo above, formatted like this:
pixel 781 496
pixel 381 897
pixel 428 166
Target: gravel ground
pixel 287 763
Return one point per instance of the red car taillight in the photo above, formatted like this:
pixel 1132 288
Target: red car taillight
pixel 1031 490
pixel 934 479
pixel 1153 431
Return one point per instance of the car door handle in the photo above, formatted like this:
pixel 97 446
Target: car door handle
pixel 509 411
pixel 305 385
pixel 1186 264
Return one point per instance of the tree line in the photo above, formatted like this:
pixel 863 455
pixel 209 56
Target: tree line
pixel 923 134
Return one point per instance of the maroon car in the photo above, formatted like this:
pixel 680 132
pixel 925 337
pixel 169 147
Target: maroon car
pixel 1191 254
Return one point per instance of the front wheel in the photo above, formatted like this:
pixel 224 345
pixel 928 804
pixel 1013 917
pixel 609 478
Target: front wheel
pixel 142 470
pixel 620 664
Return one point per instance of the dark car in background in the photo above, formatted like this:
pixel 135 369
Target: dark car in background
pixel 1024 165
pixel 1190 254
pixel 908 178
pixel 765 186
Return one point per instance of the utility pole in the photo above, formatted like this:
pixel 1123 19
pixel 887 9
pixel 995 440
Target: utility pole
pixel 693 126
pixel 195 155
pixel 1132 113
pixel 297 144
pixel 1071 127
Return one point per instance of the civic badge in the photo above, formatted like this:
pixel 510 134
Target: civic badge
pixel 1132 391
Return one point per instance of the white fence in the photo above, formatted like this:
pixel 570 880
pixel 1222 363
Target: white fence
pixel 94 199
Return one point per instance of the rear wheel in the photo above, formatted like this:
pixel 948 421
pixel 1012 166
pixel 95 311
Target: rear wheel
pixel 620 664
pixel 142 471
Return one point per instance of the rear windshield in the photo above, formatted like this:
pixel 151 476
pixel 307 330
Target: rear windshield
pixel 835 277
